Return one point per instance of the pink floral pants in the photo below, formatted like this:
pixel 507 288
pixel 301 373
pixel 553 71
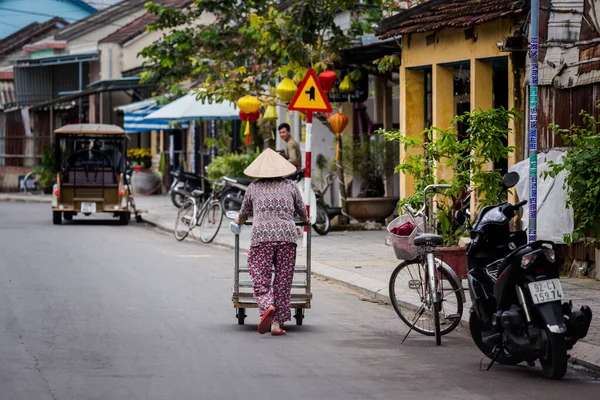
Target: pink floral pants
pixel 261 259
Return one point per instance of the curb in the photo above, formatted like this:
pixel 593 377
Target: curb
pixel 25 199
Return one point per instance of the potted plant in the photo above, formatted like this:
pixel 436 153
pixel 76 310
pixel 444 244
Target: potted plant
pixel 365 159
pixel 141 158
pixel 46 171
pixel 468 158
pixel 143 180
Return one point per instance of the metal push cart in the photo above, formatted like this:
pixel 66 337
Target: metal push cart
pixel 243 296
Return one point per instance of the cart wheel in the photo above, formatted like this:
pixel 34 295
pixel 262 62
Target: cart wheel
pixel 138 218
pixel 241 315
pixel 299 316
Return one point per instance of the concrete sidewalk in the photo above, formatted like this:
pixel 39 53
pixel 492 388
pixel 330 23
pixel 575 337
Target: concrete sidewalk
pixel 362 261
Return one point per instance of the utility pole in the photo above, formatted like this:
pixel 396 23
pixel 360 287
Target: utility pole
pixel 533 117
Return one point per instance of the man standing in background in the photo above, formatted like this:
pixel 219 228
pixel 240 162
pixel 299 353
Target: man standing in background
pixel 292 148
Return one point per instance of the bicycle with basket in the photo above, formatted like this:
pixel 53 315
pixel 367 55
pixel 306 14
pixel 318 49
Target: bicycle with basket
pixel 425 292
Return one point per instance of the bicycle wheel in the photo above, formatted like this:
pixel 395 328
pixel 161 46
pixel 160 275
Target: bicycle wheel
pixel 211 222
pixel 185 220
pixel 411 298
pixel 322 225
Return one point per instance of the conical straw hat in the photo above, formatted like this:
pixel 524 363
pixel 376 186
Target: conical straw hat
pixel 269 165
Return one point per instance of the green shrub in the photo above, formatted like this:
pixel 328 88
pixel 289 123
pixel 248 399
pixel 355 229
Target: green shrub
pixel 582 164
pixel 231 165
pixel 468 158
pixel 47 170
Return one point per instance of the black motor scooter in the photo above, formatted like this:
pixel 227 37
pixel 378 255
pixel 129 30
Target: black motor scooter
pixel 184 183
pixel 519 313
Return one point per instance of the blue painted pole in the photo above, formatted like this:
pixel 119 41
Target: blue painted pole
pixel 533 117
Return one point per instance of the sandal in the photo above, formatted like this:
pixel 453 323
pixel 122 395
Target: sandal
pixel 265 320
pixel 281 332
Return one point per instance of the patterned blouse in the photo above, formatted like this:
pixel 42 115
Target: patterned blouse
pixel 273 203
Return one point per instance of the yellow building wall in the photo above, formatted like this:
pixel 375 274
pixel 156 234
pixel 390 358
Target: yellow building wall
pixel 449 46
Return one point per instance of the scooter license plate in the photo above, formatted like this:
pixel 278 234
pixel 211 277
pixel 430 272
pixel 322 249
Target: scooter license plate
pixel 546 291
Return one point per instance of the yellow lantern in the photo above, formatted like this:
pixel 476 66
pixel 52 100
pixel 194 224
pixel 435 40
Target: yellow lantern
pixel 270 114
pixel 286 90
pixel 248 104
pixel 347 86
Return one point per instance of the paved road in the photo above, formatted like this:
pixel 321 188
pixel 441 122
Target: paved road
pixel 100 311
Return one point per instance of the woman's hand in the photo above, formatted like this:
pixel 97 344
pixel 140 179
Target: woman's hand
pixel 238 221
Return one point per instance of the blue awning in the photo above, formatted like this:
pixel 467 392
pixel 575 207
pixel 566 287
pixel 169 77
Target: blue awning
pixel 134 119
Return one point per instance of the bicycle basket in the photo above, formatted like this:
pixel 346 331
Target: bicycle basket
pixel 404 246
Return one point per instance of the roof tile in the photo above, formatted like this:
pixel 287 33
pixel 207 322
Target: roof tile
pixel 29 34
pixel 139 25
pixel 438 14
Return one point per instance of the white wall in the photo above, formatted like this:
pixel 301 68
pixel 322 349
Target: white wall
pixel 89 42
pixel 130 50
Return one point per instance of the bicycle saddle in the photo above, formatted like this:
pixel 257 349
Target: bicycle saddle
pixel 428 239
pixel 197 193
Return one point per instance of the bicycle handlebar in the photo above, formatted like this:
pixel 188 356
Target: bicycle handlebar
pixel 429 188
pixel 520 204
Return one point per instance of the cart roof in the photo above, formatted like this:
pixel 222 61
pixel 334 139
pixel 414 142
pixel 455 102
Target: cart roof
pixel 90 129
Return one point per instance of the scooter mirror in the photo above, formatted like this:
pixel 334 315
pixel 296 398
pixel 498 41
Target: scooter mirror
pixel 460 217
pixel 510 179
pixel 232 214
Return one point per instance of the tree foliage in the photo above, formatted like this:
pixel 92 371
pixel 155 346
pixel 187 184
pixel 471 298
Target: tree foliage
pixel 582 165
pixel 468 158
pixel 250 45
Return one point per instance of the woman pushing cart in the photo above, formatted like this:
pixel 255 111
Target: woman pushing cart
pixel 273 203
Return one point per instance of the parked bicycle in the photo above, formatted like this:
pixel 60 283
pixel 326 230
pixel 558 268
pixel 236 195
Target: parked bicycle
pixel 207 215
pixel 183 185
pixel 424 279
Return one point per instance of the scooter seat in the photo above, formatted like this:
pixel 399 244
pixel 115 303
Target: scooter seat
pixel 239 181
pixel 428 239
pixel 244 181
pixel 197 193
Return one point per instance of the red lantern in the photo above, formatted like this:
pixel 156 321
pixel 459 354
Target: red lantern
pixel 327 79
pixel 249 117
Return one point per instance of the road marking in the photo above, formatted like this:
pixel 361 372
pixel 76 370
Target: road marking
pixel 194 255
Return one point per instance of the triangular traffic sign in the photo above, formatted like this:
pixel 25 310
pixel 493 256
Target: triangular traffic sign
pixel 310 95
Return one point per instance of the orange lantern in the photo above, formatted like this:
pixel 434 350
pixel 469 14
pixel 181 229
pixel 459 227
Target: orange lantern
pixel 338 123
